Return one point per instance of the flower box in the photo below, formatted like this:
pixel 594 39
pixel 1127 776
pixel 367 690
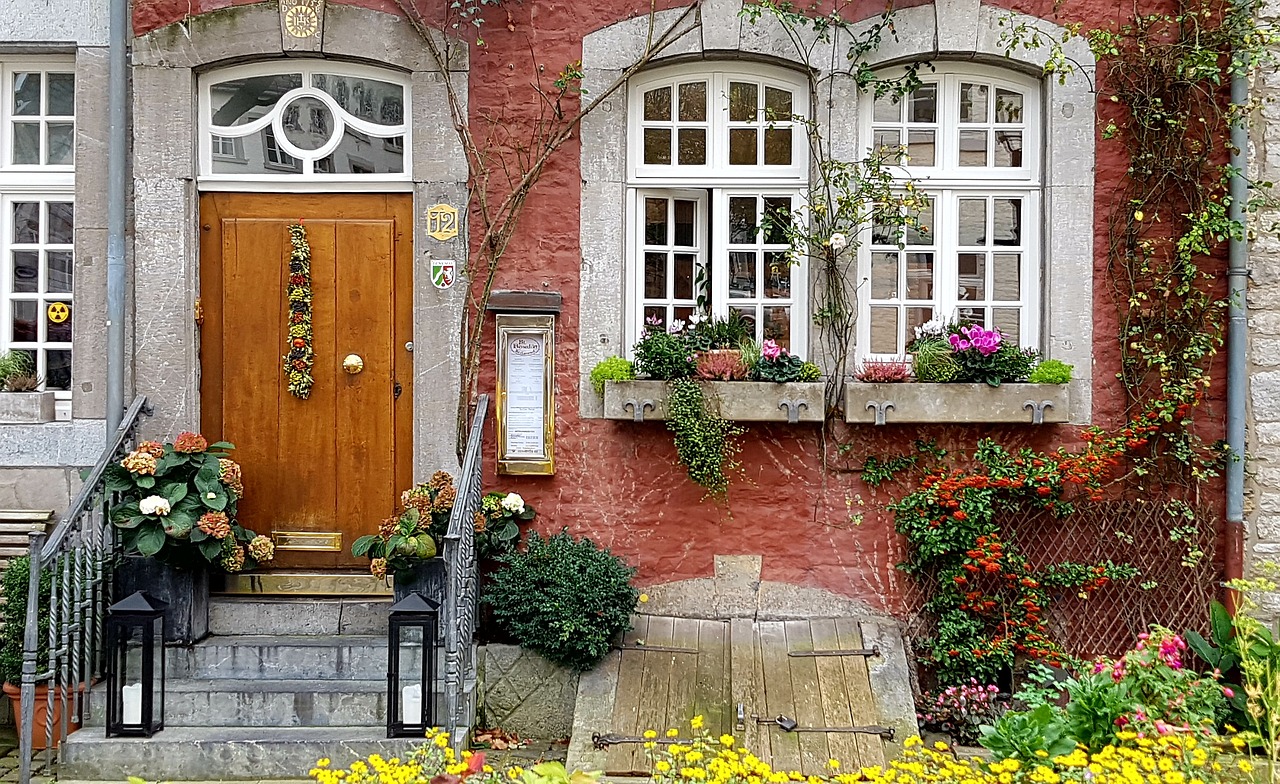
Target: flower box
pixel 27 408
pixel 185 593
pixel 739 401
pixel 880 404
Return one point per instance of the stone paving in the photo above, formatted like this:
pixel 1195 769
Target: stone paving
pixel 9 759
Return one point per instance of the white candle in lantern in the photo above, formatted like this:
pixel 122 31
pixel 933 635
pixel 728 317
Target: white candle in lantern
pixel 411 704
pixel 133 703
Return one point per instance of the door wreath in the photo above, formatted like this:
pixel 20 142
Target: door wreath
pixel 301 357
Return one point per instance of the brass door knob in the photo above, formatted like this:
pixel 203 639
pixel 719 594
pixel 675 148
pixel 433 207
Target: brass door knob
pixel 353 364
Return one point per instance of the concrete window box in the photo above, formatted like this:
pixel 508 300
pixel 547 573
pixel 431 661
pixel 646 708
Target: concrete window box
pixel 740 401
pixel 879 404
pixel 27 408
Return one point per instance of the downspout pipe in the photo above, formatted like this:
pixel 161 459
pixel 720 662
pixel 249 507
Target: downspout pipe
pixel 117 193
pixel 1237 339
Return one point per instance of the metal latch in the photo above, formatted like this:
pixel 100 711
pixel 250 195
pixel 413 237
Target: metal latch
pixel 397 389
pixel 788 724
pixel 608 739
pixel 845 652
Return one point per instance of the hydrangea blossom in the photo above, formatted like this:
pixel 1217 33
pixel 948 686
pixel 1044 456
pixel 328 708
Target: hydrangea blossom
pixel 513 503
pixel 154 505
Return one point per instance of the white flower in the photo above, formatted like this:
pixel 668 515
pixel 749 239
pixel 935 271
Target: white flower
pixel 513 503
pixel 696 318
pixel 838 242
pixel 211 496
pixel 154 505
pixel 675 326
pixel 933 328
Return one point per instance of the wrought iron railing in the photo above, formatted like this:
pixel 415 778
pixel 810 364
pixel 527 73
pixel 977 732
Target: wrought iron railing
pixel 78 556
pixel 462 600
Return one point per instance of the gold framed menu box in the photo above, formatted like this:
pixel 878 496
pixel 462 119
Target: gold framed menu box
pixel 526 394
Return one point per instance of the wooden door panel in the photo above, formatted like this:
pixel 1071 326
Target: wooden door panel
pixel 333 463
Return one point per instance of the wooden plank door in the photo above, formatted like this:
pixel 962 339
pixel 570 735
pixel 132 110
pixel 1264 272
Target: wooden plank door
pixel 319 472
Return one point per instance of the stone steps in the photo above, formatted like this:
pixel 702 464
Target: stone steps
pixel 283 657
pixel 274 615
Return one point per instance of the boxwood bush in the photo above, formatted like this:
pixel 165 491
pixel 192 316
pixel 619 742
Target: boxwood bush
pixel 563 597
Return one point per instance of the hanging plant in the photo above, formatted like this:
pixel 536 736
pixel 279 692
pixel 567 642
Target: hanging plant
pixel 301 357
pixel 705 442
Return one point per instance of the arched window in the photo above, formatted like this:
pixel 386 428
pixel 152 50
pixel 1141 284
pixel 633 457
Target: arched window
pixel 972 137
pixel 711 152
pixel 323 122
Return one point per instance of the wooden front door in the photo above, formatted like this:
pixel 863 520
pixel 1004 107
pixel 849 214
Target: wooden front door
pixel 320 472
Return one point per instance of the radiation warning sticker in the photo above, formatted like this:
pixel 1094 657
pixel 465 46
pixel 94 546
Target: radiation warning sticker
pixel 58 312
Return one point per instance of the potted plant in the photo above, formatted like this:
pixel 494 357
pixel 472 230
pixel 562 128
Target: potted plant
pixel 408 542
pixel 23 402
pixel 177 520
pixel 498 524
pixel 16 583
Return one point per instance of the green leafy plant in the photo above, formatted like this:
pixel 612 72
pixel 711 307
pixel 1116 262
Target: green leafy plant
pixel 563 597
pixel 15 584
pixel 498 523
pixel 663 355
pixel 1051 371
pixel 778 365
pixel 413 533
pixel 727 333
pixel 611 369
pixel 706 444
pixel 178 503
pixel 1020 735
pixel 984 356
pixel 932 361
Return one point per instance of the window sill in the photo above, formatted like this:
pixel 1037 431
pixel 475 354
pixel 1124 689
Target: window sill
pixel 28 408
pixel 880 404
pixel 739 401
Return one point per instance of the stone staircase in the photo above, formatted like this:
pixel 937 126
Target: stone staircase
pixel 278 684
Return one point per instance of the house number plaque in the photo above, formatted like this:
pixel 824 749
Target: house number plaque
pixel 526 404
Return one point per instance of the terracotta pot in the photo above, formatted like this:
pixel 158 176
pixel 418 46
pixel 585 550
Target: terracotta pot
pixel 39 736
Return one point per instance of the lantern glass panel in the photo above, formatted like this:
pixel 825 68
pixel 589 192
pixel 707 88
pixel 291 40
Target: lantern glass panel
pixel 412 700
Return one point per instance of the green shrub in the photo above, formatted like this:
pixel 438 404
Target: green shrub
pixel 15 584
pixel 1051 371
pixel 663 356
pixel 564 598
pixel 611 369
pixel 810 372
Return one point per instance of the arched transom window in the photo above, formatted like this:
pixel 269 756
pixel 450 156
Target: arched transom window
pixel 323 122
pixel 712 151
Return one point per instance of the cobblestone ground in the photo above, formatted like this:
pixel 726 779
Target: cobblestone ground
pixel 9 759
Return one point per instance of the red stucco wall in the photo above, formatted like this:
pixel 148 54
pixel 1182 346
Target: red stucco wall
pixel 619 482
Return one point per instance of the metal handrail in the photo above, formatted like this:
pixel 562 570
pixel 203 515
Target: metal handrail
pixel 462 603
pixel 78 555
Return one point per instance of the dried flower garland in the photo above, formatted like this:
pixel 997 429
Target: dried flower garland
pixel 301 357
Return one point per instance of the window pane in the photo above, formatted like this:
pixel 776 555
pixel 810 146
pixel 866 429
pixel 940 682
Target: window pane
pixel 61 223
pixel 371 100
pixel 1006 269
pixel 777 104
pixel 919 276
pixel 655 275
pixel 973 148
pixel 26 94
pixel 777 325
pixel 920 148
pixel 777 146
pixel 26 222
pixel 742 274
pixel 884 275
pixel 888 109
pixel 1007 214
pixel 1009 148
pixel 922 232
pixel 62 95
pixel 657 104
pixel 924 104
pixel 884 330
pixel 742 220
pixel 656 313
pixel 1008 106
pixel 26 271
pixel 973 222
pixel 693 102
pixel 242 101
pixel 887 138
pixel 748 313
pixel 973 275
pixel 655 221
pixel 742 146
pixel 686 212
pixel 657 146
pixel 58 331
pixel 973 103
pixel 972 316
pixel 59 144
pixel 693 147
pixel 60 270
pixel 777 275
pixel 358 153
pixel 917 317
pixel 683 313
pixel 1006 320
pixel 57 373
pixel 778 210
pixel 684 276
pixel 308 123
pixel 26 143
pixel 25 320
pixel 744 98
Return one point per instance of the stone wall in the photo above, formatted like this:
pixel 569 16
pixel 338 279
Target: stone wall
pixel 525 694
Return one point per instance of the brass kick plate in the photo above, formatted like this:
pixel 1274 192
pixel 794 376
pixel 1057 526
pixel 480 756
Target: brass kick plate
pixel 309 541
pixel 339 584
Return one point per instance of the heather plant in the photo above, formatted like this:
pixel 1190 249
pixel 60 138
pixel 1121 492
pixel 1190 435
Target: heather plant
pixel 884 371
pixel 721 366
pixel 961 710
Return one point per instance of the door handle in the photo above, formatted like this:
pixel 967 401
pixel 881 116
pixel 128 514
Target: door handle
pixel 397 389
pixel 353 364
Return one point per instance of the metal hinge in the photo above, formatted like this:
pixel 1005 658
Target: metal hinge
pixel 199 312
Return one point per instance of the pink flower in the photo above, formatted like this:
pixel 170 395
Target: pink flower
pixel 1162 728
pixel 770 350
pixel 1228 692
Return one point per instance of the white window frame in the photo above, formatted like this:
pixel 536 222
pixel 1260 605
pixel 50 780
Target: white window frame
pixel 947 182
pixel 310 178
pixel 714 183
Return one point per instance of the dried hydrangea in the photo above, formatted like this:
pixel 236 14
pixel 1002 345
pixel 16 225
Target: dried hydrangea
pixel 190 443
pixel 262 549
pixel 481 522
pixel 440 480
pixel 378 567
pixel 140 463
pixel 153 448
pixel 444 499
pixel 229 473
pixel 389 527
pixel 232 558
pixel 215 524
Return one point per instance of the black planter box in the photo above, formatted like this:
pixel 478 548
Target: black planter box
pixel 186 619
pixel 425 577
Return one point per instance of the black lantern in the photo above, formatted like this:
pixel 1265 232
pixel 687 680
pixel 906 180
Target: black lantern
pixel 135 666
pixel 411 666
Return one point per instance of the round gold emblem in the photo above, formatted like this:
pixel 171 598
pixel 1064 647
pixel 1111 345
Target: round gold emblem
pixel 301 21
pixel 58 312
